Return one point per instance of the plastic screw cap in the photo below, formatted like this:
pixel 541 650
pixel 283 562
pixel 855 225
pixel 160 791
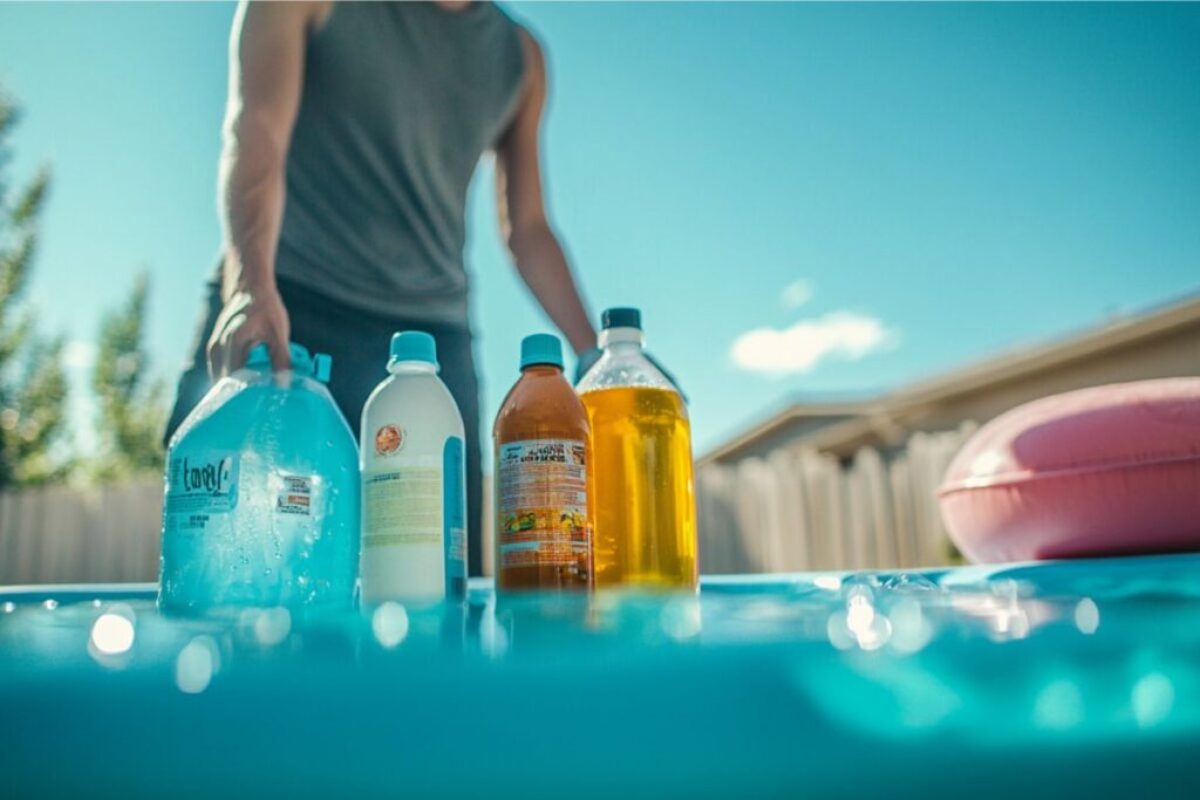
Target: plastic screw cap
pixel 259 357
pixel 301 359
pixel 322 367
pixel 621 317
pixel 541 348
pixel 413 346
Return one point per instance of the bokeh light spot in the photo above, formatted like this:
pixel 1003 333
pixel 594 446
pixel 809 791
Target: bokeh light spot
pixel 196 664
pixel 1059 706
pixel 1087 616
pixel 1153 697
pixel 112 634
pixel 389 623
pixel 910 630
pixel 681 619
pixel 830 583
pixel 272 626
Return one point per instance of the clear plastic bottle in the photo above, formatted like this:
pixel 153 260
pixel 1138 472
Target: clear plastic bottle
pixel 643 495
pixel 414 481
pixel 543 518
pixel 261 503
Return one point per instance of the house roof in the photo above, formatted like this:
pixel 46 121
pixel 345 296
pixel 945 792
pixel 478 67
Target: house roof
pixel 873 414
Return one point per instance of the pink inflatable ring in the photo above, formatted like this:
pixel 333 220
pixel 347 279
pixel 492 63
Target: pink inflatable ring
pixel 1109 470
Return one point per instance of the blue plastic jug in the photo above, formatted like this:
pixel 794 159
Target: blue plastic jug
pixel 261 503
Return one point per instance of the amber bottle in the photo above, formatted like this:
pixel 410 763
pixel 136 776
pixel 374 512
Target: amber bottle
pixel 543 519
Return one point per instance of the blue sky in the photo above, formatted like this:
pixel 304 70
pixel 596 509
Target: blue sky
pixel 802 198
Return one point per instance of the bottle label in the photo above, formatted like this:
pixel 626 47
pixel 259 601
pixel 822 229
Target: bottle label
pixel 198 486
pixel 403 505
pixel 541 503
pixel 295 496
pixel 388 440
pixel 454 512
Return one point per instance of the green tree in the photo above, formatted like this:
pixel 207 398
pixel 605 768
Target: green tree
pixel 132 410
pixel 33 383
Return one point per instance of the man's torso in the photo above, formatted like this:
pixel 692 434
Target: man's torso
pixel 400 100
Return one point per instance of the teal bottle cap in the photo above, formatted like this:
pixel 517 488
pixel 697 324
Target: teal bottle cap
pixel 302 362
pixel 322 367
pixel 413 346
pixel 541 348
pixel 259 357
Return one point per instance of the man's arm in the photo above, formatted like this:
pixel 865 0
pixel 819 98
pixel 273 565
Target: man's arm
pixel 534 247
pixel 266 69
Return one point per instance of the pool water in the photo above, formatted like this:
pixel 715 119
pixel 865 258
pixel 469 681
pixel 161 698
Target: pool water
pixel 1073 677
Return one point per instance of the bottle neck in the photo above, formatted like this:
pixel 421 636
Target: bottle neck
pixel 541 369
pixel 622 339
pixel 412 368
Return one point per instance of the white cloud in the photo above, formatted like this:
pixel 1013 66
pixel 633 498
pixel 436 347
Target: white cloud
pixel 796 294
pixel 79 354
pixel 800 348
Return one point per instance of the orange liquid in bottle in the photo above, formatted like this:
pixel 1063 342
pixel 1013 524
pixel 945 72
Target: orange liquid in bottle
pixel 645 513
pixel 543 516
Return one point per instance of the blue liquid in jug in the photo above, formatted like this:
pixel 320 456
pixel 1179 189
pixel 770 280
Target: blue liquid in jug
pixel 261 503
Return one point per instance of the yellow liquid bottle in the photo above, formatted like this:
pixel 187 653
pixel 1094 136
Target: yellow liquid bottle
pixel 643 497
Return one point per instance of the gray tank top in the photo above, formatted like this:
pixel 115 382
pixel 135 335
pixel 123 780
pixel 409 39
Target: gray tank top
pixel 400 101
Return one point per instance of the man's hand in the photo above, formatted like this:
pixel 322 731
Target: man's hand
pixel 249 318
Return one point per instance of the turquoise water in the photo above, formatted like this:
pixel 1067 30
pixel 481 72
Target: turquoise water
pixel 1079 678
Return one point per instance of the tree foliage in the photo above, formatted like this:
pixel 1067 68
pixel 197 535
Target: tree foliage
pixel 33 383
pixel 132 410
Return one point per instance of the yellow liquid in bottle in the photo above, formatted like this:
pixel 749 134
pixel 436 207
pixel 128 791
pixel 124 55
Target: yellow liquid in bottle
pixel 643 499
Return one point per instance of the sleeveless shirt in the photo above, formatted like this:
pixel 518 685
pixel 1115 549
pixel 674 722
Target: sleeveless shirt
pixel 400 101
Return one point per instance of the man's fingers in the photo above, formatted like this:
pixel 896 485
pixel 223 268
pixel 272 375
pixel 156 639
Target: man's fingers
pixel 218 353
pixel 243 341
pixel 281 356
pixel 223 355
pixel 215 357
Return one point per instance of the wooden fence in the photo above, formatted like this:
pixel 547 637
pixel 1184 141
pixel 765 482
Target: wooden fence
pixel 801 510
pixel 61 534
pixel 793 511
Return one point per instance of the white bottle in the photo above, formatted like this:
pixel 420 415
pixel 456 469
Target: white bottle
pixel 413 481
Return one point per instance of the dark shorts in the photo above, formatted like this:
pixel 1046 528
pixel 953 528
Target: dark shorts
pixel 359 345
